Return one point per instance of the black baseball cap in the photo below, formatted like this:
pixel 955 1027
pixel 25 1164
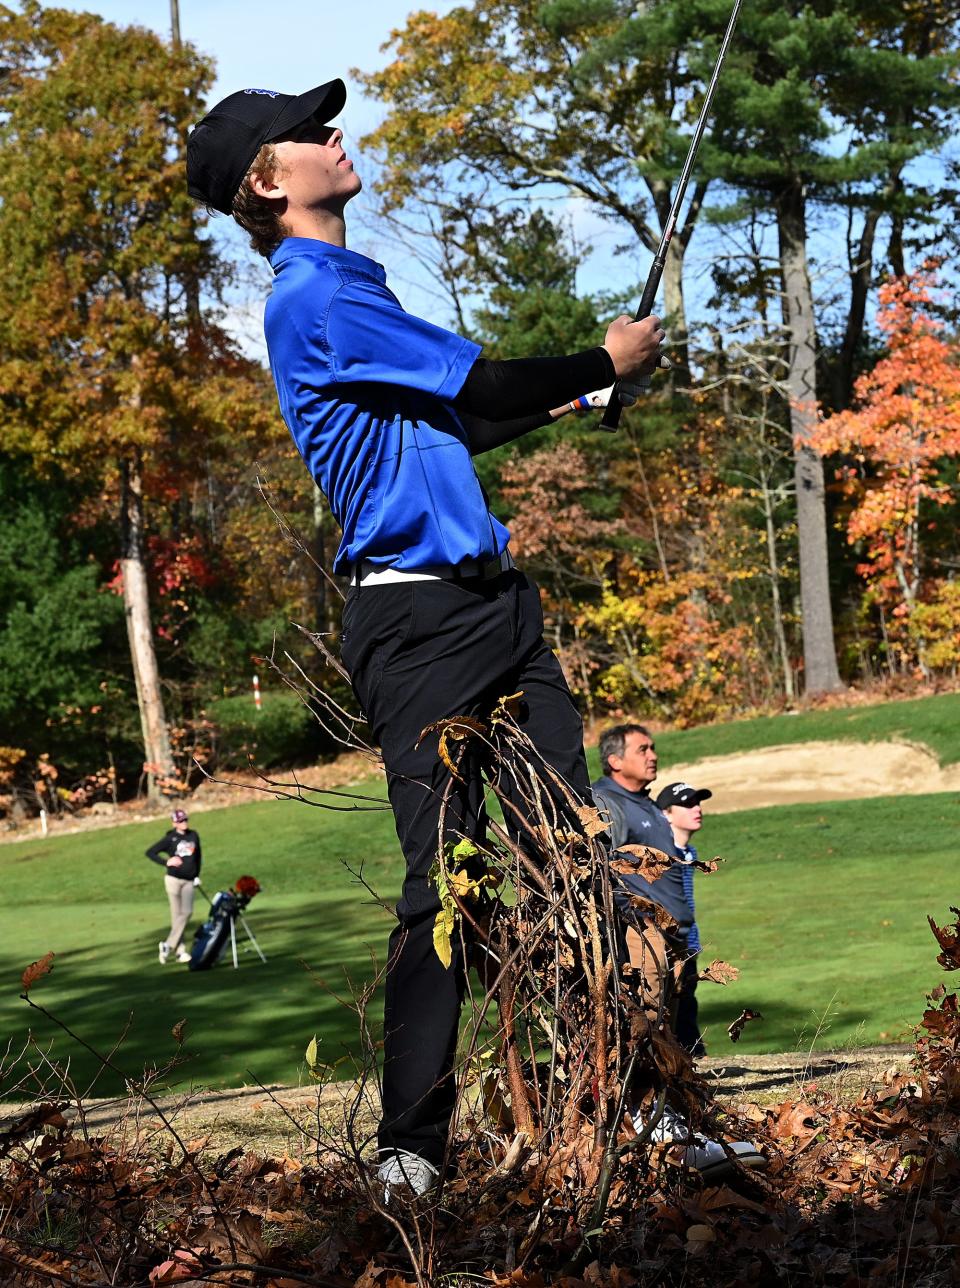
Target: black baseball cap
pixel 222 145
pixel 682 794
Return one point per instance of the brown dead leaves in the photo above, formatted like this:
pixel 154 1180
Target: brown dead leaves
pixel 880 1165
pixel 453 729
pixel 647 862
pixel 591 821
pixel 720 972
pixel 36 970
pixel 948 938
pixel 745 1017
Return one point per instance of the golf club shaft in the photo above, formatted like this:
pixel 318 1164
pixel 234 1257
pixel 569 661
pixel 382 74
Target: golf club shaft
pixel 611 417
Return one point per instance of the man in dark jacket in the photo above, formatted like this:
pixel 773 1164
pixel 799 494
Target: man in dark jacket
pixel 179 853
pixel 628 758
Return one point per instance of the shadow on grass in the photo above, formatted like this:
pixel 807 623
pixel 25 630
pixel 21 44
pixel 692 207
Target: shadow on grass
pixel 246 1025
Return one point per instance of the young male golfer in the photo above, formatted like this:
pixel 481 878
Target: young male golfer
pixel 387 411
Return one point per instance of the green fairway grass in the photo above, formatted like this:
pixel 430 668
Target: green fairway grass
pixel 823 908
pixel 933 721
pixel 96 901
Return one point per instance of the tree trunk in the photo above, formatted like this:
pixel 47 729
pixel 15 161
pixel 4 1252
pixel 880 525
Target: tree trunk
pixel 158 761
pixel 819 651
pixel 676 315
pixel 324 589
pixel 773 567
pixel 861 275
pixel 674 308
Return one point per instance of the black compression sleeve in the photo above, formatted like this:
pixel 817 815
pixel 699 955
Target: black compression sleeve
pixel 482 435
pixel 524 386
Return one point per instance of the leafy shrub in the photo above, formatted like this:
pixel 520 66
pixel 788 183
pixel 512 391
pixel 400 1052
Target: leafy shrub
pixel 282 732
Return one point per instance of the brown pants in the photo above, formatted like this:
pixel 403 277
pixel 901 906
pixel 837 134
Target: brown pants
pixel 180 896
pixel 657 964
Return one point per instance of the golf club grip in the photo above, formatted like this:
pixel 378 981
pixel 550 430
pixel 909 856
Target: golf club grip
pixel 611 413
pixel 611 416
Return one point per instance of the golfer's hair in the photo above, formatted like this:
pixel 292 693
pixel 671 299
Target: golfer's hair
pixel 613 742
pixel 257 215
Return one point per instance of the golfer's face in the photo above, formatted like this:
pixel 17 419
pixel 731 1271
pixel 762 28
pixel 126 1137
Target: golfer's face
pixel 639 759
pixel 316 168
pixel 688 817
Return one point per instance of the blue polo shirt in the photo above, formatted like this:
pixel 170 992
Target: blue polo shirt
pixel 367 392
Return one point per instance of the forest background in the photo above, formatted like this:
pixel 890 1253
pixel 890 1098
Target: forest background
pixel 775 523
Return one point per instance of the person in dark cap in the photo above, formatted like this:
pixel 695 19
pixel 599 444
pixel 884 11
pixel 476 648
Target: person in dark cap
pixel 178 852
pixel 628 758
pixel 388 411
pixel 682 804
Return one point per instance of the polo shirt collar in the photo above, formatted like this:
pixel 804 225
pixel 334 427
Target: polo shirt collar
pixel 312 246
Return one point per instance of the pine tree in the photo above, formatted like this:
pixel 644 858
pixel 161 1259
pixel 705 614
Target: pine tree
pixel 803 77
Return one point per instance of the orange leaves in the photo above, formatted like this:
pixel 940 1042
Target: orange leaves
pixel 180 1267
pixel 796 1120
pixel 668 641
pixel 546 492
pixel 904 427
pixel 36 971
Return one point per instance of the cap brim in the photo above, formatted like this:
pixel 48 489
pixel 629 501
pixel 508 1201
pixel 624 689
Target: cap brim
pixel 703 794
pixel 321 104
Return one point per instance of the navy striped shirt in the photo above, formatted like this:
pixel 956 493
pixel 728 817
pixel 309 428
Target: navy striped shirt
pixel 686 871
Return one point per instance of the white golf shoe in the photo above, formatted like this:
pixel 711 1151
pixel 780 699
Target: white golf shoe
pixel 710 1158
pixel 164 952
pixel 400 1171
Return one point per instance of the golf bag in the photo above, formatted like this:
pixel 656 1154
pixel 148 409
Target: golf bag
pixel 210 940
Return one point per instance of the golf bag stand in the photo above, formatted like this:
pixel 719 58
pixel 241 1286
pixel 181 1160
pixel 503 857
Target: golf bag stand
pixel 211 938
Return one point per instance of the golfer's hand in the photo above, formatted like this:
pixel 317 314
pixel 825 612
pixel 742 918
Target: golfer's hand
pixel 634 346
pixel 196 881
pixel 175 862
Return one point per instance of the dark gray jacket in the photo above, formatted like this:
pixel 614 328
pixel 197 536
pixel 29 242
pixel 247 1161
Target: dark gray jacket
pixel 635 820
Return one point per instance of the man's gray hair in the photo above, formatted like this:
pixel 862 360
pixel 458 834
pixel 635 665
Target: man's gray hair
pixel 613 742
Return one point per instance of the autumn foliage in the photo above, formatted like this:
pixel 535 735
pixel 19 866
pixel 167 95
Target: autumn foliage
pixel 899 446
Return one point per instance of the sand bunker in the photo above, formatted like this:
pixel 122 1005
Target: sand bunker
pixel 814 771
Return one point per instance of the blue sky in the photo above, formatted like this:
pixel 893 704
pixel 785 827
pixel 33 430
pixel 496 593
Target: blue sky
pixel 292 45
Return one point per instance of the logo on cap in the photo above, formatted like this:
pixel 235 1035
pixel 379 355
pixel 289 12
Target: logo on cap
pixel 677 788
pixel 268 93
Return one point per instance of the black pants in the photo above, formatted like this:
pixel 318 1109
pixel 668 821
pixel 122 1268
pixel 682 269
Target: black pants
pixel 417 652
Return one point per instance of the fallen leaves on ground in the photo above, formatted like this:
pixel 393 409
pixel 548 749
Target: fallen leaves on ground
pixel 855 1193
